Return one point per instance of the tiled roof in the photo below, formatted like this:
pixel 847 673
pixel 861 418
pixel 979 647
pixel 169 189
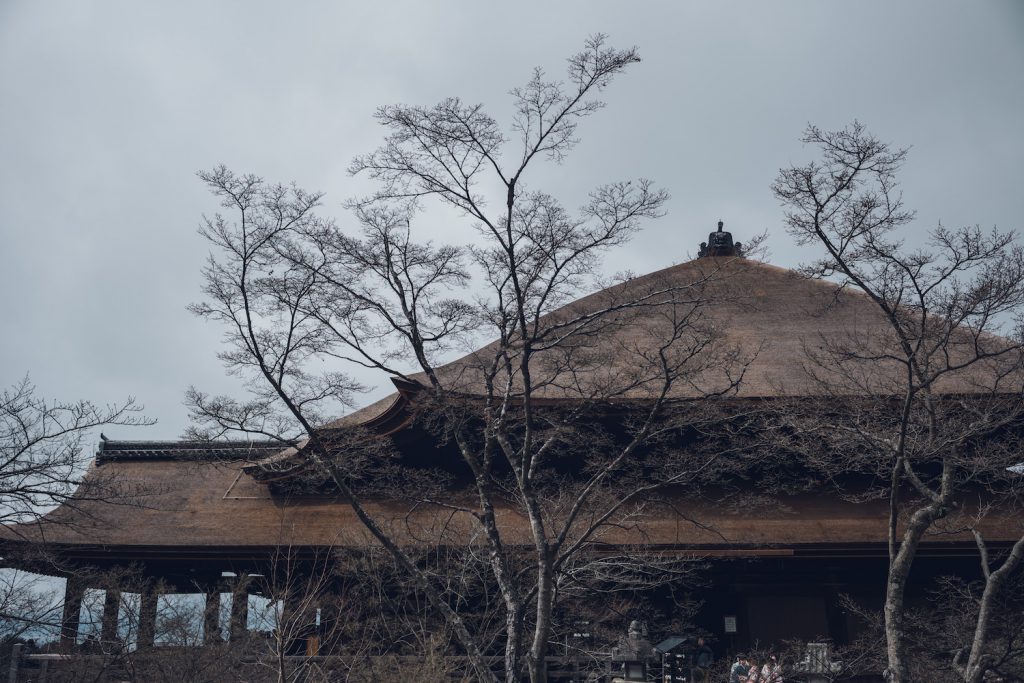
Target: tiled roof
pixel 108 450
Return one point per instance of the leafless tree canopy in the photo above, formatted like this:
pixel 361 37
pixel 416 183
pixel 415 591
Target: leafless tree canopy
pixel 930 410
pixel 42 450
pixel 296 293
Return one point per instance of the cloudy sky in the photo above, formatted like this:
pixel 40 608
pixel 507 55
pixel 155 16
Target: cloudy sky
pixel 107 110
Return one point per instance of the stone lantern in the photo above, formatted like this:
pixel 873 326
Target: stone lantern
pixel 633 653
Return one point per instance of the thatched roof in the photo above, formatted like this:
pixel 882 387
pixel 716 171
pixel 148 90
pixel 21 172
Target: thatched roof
pixel 195 503
pixel 763 320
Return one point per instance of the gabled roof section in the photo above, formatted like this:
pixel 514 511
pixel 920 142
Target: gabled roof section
pixel 111 451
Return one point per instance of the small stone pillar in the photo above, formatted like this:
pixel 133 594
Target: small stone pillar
pixel 211 618
pixel 111 607
pixel 239 624
pixel 72 614
pixel 147 617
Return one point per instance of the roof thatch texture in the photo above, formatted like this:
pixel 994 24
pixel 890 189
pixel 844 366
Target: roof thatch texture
pixel 760 317
pixel 764 321
pixel 194 503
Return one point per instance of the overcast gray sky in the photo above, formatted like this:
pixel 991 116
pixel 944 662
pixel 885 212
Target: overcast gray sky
pixel 107 109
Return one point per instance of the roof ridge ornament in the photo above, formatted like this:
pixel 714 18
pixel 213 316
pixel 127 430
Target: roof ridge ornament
pixel 720 244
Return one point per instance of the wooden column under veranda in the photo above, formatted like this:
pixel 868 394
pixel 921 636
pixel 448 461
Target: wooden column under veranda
pixel 111 607
pixel 239 623
pixel 211 617
pixel 147 617
pixel 71 616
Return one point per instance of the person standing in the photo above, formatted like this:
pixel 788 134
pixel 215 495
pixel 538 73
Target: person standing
pixel 771 672
pixel 754 672
pixel 704 657
pixel 740 669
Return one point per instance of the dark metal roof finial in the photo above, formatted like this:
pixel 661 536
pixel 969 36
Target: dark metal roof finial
pixel 720 244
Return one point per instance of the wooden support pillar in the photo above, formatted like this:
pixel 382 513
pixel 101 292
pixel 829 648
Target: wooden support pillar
pixel 286 628
pixel 297 624
pixel 12 672
pixel 147 617
pixel 111 607
pixel 330 628
pixel 71 616
pixel 239 624
pixel 211 618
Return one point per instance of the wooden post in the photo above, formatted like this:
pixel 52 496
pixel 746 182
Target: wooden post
pixel 72 612
pixel 298 623
pixel 211 618
pixel 239 608
pixel 147 617
pixel 330 628
pixel 111 607
pixel 12 673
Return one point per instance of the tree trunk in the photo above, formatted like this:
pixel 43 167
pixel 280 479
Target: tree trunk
pixel 976 667
pixel 899 569
pixel 513 643
pixel 538 660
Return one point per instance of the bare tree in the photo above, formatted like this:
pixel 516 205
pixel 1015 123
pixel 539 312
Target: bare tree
pixel 297 589
pixel 373 624
pixel 937 397
pixel 42 465
pixel 29 606
pixel 42 459
pixel 292 290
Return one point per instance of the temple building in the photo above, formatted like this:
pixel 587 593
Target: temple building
pixel 214 511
